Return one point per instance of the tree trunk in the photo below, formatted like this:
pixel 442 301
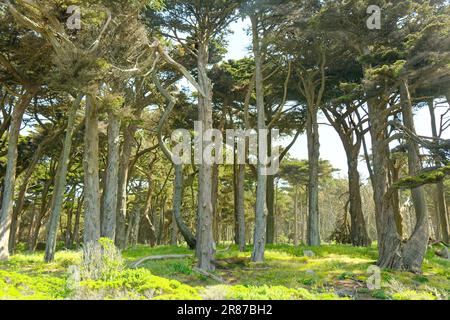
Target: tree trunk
pixel 112 178
pixel 205 246
pixel 91 174
pixel 313 180
pixel 416 247
pixel 60 183
pixel 389 242
pixel 10 175
pixel 358 224
pixel 270 232
pixel 42 212
pixel 76 227
pixel 68 234
pixel 21 197
pixel 177 205
pixel 440 189
pixel 214 199
pixel 296 216
pixel 121 217
pixel 133 227
pixel 259 235
pixel 241 207
pixel 395 175
pixel 174 232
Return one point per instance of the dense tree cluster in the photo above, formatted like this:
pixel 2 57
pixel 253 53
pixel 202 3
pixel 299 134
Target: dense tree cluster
pixel 88 112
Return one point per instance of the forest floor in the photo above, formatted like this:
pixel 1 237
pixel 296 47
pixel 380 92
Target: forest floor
pixel 332 272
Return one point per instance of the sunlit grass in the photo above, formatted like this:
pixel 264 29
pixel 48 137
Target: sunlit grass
pixel 331 273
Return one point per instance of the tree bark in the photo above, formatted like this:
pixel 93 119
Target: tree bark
pixel 121 217
pixel 395 175
pixel 205 245
pixel 42 212
pixel 60 183
pixel 91 174
pixel 389 242
pixel 241 207
pixel 442 216
pixel 358 224
pixel 174 232
pixel 76 227
pixel 270 194
pixel 259 235
pixel 177 205
pixel 214 199
pixel 416 247
pixel 296 216
pixel 312 132
pixel 10 175
pixel 21 197
pixel 112 178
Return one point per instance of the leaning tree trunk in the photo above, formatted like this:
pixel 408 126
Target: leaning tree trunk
pixel 21 197
pixel 313 180
pixel 10 175
pixel 37 223
pixel 205 245
pixel 358 232
pixel 76 226
pixel 91 178
pixel 60 185
pixel 259 235
pixel 416 247
pixel 112 178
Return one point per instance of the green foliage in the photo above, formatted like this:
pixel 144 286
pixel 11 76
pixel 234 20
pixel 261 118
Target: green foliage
pixel 137 284
pixel 265 292
pixel 286 274
pixel 101 261
pixel 14 285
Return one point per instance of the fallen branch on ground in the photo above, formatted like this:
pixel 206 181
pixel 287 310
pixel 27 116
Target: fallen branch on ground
pixel 161 257
pixel 207 274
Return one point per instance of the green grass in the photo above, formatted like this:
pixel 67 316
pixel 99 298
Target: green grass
pixel 334 272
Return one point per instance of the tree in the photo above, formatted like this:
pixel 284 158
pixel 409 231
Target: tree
pixel 204 22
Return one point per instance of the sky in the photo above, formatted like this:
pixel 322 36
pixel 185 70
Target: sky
pixel 331 148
